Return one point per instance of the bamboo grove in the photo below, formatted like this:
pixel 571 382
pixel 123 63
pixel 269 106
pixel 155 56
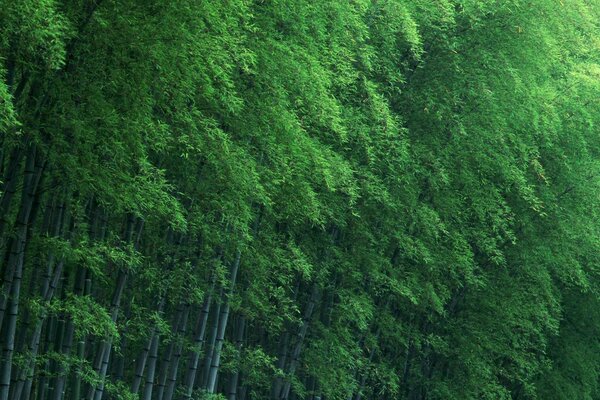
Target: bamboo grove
pixel 299 199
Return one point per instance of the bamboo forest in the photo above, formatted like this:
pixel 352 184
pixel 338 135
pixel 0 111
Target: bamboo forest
pixel 300 199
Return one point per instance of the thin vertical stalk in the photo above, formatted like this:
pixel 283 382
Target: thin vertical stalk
pixel 199 339
pixel 224 318
pixel 295 360
pixel 168 355
pixel 103 356
pixel 211 342
pixel 239 340
pixel 151 368
pixel 33 174
pixel 172 379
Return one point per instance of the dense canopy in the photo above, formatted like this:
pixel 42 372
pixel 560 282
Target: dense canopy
pixel 300 199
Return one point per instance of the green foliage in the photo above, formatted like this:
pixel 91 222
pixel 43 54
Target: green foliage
pixel 410 186
pixel 89 317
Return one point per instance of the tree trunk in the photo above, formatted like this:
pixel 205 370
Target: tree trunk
pixel 60 380
pixel 211 341
pixel 9 188
pixel 16 245
pixel 140 363
pixel 285 391
pixel 239 340
pixel 76 380
pixel 151 368
pixel 363 378
pixel 47 228
pixel 48 288
pixel 97 232
pixel 43 382
pixel 168 355
pixel 199 339
pixel 172 379
pixel 33 174
pixel 146 353
pixel 23 385
pixel 103 356
pixel 224 318
pixel 118 366
pixel 284 351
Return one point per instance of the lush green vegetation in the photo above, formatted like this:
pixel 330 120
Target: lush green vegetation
pixel 300 199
